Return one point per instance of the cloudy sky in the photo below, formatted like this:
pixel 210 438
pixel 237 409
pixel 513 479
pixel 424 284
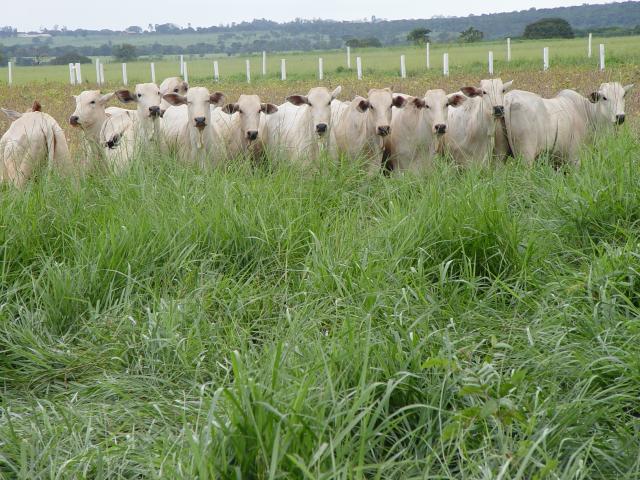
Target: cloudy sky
pixel 117 14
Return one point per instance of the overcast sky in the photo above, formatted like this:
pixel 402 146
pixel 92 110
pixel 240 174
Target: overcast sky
pixel 118 14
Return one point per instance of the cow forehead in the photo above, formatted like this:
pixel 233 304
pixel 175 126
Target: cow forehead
pixel 147 88
pixel 171 83
pixel 436 96
pixel 380 98
pixel 614 90
pixel 319 96
pixel 249 102
pixel 198 94
pixel 88 96
pixel 495 85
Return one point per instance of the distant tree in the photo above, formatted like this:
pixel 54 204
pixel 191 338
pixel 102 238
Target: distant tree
pixel 364 43
pixel 419 36
pixel 134 29
pixel 71 57
pixel 549 28
pixel 124 53
pixel 1 56
pixel 471 35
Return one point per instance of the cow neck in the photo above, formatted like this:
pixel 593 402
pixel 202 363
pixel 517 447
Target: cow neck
pixel 201 140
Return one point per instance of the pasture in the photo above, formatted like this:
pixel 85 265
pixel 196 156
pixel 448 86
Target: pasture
pixel 270 323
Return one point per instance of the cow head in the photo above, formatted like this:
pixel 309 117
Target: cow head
pixel 610 102
pixel 492 94
pixel 147 97
pixel 172 85
pixel 249 108
pixel 319 101
pixel 379 106
pixel 198 101
pixel 90 109
pixel 436 105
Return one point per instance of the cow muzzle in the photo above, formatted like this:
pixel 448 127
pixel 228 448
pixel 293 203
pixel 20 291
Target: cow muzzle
pixel 252 135
pixel 384 131
pixel 154 112
pixel 620 119
pixel 74 121
pixel 440 129
pixel 498 111
pixel 200 123
pixel 321 128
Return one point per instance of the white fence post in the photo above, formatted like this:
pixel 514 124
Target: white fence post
pixel 153 72
pixel 248 64
pixel 264 64
pixel 428 55
pixel 283 69
pixel 78 73
pixel 491 63
pixel 590 49
pixel 545 58
pixel 602 65
pixel 101 73
pixel 125 80
pixel 181 64
pixel 10 67
pixel 403 66
pixel 98 71
pixel 359 67
pixel 320 68
pixel 349 58
pixel 72 74
pixel 216 71
pixel 185 73
pixel 508 49
pixel 445 64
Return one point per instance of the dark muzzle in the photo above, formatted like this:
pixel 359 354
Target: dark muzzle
pixel 440 129
pixel 321 128
pixel 154 112
pixel 620 119
pixel 200 122
pixel 384 131
pixel 74 121
pixel 498 111
pixel 252 135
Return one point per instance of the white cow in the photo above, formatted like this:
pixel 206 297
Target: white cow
pixel 187 125
pixel 475 134
pixel 360 126
pixel 301 128
pixel 172 85
pixel 561 125
pixel 32 139
pixel 91 112
pixel 238 126
pixel 417 130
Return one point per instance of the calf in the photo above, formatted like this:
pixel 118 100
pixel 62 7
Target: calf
pixel 475 132
pixel 360 126
pixel 32 139
pixel 561 125
pixel 91 113
pixel 417 130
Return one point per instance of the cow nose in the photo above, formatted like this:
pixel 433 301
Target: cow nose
pixel 201 122
pixel 384 131
pixel 498 111
pixel 74 120
pixel 620 119
pixel 154 111
pixel 321 128
pixel 252 135
pixel 440 129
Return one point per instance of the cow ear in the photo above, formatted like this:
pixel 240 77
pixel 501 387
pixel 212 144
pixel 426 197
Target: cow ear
pixel 507 86
pixel 216 99
pixel 298 100
pixel 471 92
pixel 104 99
pixel 185 85
pixel 363 105
pixel 456 100
pixel 336 93
pixel 399 101
pixel 11 114
pixel 175 99
pixel 628 88
pixel 269 108
pixel 230 108
pixel 125 96
pixel 36 107
pixel 419 103
pixel 594 97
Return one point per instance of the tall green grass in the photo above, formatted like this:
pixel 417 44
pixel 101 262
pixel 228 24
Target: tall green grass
pixel 271 324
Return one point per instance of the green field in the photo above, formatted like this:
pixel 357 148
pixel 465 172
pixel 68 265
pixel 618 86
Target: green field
pixel 526 55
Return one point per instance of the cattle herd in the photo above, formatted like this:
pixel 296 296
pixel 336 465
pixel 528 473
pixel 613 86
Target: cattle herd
pixel 392 130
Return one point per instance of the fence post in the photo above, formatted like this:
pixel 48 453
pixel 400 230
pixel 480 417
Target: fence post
pixel 359 67
pixel 445 64
pixel 10 67
pixel 78 73
pixel 264 64
pixel 320 68
pixel 98 71
pixel 602 65
pixel 590 49
pixel 186 72
pixel 153 72
pixel 508 49
pixel 125 80
pixel 428 55
pixel 283 69
pixel 181 64
pixel 101 73
pixel 248 64
pixel 491 63
pixel 72 74
pixel 403 66
pixel 216 71
pixel 545 58
pixel 349 58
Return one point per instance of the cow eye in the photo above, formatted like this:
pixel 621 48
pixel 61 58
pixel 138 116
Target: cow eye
pixel 139 95
pixel 176 90
pixel 93 102
pixel 484 92
pixel 604 98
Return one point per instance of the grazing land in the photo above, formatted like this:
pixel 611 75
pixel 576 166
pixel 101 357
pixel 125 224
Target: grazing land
pixel 272 323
